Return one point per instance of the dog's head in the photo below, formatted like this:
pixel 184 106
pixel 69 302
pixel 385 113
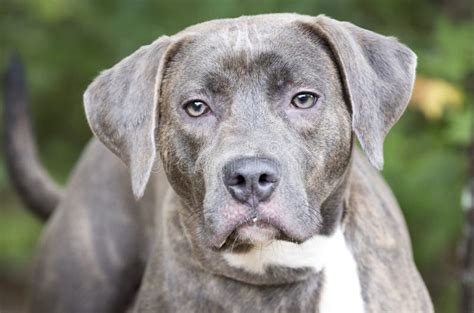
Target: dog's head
pixel 253 119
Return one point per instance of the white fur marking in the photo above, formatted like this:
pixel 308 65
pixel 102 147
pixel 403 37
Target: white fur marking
pixel 341 288
pixel 308 254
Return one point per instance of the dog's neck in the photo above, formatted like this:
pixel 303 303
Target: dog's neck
pixel 328 255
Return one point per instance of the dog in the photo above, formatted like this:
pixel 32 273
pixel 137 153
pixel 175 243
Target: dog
pixel 224 176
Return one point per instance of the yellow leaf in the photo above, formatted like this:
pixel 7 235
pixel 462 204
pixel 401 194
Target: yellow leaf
pixel 431 96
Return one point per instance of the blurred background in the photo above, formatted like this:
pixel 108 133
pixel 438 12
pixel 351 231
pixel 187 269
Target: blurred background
pixel 65 43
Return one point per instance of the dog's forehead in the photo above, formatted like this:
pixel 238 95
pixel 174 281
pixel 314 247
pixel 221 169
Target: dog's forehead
pixel 262 23
pixel 275 44
pixel 249 33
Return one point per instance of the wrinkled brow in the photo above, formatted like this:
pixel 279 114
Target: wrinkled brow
pixel 271 68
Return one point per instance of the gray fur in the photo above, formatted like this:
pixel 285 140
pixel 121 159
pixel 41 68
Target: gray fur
pixel 378 73
pixel 120 107
pixel 164 252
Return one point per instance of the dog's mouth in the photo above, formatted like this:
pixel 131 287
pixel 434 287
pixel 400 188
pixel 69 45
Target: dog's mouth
pixel 251 233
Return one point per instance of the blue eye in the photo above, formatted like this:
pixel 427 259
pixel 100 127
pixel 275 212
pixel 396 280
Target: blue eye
pixel 304 100
pixel 196 108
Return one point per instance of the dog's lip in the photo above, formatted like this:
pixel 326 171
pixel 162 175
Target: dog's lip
pixel 257 232
pixel 219 240
pixel 246 225
pixel 263 223
pixel 257 224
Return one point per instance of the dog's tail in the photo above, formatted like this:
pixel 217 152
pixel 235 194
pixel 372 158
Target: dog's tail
pixel 35 187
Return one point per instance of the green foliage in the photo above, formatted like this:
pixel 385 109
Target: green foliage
pixel 65 43
pixel 19 232
pixel 454 42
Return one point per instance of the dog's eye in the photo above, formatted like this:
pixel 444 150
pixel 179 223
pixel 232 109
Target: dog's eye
pixel 304 100
pixel 196 108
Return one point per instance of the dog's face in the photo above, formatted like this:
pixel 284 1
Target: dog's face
pixel 256 135
pixel 253 119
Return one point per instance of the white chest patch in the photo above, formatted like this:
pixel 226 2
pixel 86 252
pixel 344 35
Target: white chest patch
pixel 341 287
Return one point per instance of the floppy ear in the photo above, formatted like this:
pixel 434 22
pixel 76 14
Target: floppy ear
pixel 121 108
pixel 378 74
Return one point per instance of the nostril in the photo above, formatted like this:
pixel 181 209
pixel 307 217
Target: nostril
pixel 237 180
pixel 263 179
pixel 266 179
pixel 240 180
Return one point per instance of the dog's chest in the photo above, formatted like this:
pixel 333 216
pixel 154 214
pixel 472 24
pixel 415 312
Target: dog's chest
pixel 340 289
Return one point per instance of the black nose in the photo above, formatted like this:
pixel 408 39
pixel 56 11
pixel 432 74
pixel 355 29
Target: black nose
pixel 251 180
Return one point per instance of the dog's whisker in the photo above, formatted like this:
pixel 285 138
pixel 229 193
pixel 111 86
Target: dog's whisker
pixel 236 238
